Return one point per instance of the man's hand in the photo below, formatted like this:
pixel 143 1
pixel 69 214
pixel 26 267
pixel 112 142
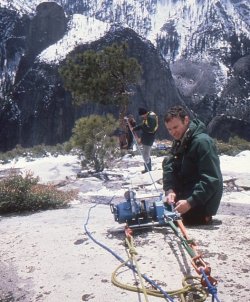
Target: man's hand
pixel 170 198
pixel 182 206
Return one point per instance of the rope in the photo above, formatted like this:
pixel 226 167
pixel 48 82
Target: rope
pixel 183 240
pixel 211 289
pixel 133 252
pixel 187 288
pixel 191 249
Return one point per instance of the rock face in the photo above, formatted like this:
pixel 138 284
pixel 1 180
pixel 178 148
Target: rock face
pixel 230 109
pixel 223 127
pixel 24 39
pixel 45 111
pixel 236 92
pixel 47 27
pixel 36 109
pixel 198 86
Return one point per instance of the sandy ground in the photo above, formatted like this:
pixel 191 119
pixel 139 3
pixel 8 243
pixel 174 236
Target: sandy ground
pixel 49 257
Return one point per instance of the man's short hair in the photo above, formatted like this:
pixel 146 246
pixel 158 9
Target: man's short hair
pixel 175 111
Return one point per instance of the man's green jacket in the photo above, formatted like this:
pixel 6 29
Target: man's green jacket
pixel 193 169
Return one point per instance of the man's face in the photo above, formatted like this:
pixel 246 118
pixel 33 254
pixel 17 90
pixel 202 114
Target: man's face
pixel 176 127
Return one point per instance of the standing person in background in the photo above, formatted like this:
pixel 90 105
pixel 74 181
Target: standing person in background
pixel 192 178
pixel 124 132
pixel 148 129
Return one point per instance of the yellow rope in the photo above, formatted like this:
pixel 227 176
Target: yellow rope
pixel 189 284
pixel 133 252
pixel 187 288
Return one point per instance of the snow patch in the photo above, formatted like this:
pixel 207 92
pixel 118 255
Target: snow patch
pixel 82 30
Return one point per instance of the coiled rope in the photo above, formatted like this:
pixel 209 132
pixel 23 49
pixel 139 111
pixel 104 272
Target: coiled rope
pixel 189 284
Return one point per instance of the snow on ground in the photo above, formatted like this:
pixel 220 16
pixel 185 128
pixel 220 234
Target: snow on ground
pixel 48 169
pixel 55 169
pixel 238 164
pixel 66 165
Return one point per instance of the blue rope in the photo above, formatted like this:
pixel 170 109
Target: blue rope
pixel 165 294
pixel 211 289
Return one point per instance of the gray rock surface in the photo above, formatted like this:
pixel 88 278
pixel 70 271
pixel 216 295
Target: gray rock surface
pixel 51 257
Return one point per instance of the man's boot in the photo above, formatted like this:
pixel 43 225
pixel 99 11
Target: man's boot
pixel 147 167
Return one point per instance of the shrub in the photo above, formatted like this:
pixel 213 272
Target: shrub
pixel 160 153
pixel 22 194
pixel 225 148
pixel 35 152
pixel 94 136
pixel 240 143
pixel 233 147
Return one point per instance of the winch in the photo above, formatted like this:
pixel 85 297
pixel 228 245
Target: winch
pixel 149 211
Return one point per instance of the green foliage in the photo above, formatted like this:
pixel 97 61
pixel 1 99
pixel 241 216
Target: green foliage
pixel 105 77
pixel 159 153
pixel 240 143
pixel 93 135
pixel 233 147
pixel 35 152
pixel 22 194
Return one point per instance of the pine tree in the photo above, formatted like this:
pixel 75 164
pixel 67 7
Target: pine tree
pixel 106 77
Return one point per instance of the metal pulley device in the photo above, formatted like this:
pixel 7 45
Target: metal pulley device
pixel 149 211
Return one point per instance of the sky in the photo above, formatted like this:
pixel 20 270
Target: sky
pixel 56 169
